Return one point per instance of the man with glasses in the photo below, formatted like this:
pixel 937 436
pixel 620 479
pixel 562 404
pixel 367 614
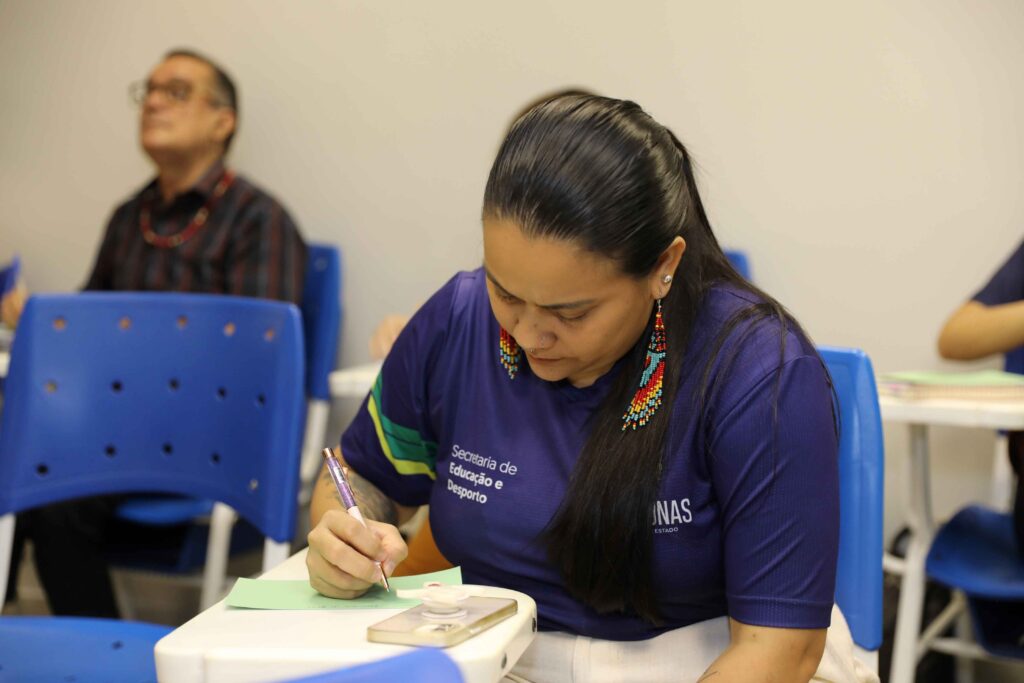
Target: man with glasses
pixel 196 227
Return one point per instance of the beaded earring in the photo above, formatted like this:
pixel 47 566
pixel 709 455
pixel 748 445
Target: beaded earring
pixel 647 398
pixel 509 353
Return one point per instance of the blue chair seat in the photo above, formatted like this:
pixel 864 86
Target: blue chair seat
pixel 47 649
pixel 163 511
pixel 976 552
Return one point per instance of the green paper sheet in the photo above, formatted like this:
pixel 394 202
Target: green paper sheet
pixel 269 594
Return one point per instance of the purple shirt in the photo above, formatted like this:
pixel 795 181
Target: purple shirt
pixel 1005 287
pixel 739 528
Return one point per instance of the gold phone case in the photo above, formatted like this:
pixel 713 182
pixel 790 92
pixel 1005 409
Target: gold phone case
pixel 419 626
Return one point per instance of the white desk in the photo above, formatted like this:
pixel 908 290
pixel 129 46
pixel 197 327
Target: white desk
pixel 920 415
pixel 223 645
pixel 354 382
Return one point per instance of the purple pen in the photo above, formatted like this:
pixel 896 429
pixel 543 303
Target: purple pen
pixel 348 499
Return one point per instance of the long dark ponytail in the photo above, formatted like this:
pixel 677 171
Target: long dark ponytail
pixel 603 174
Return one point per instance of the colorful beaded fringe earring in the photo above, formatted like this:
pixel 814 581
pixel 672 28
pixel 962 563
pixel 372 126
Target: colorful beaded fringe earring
pixel 647 398
pixel 509 351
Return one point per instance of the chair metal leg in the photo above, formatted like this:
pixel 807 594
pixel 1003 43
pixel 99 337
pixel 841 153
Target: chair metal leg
pixel 317 414
pixel 912 587
pixel 274 553
pixel 965 632
pixel 908 615
pixel 125 603
pixel 934 630
pixel 1001 492
pixel 6 545
pixel 217 548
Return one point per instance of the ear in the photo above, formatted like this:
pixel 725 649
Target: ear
pixel 666 265
pixel 225 124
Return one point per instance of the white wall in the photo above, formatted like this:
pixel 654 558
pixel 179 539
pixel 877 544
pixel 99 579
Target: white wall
pixel 867 155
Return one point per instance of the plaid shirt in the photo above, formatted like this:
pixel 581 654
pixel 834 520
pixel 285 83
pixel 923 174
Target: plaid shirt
pixel 249 245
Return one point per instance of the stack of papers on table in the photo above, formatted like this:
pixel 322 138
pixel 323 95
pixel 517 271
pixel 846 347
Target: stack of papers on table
pixel 980 385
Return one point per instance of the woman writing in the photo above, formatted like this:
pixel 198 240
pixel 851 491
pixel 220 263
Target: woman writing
pixel 606 417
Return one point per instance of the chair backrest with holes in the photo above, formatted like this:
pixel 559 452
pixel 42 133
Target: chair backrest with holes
pixel 179 393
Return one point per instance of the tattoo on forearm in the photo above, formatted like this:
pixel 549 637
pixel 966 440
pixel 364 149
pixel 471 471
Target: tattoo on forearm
pixel 372 503
pixel 328 484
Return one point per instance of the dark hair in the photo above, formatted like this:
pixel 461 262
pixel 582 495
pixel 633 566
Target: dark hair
pixel 223 87
pixel 548 96
pixel 605 175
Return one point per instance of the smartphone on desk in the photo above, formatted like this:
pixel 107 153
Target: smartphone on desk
pixel 420 626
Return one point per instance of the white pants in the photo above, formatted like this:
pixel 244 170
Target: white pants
pixel 680 655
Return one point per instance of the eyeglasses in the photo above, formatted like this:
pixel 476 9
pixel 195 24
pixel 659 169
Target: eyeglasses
pixel 175 91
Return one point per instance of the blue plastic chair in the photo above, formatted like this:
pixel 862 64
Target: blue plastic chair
pixel 321 316
pixel 9 275
pixel 424 665
pixel 975 554
pixel 861 497
pixel 739 261
pixel 321 320
pixel 48 649
pixel 172 393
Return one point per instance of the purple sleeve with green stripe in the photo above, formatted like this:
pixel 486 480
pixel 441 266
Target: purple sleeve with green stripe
pixel 392 441
pixel 406 449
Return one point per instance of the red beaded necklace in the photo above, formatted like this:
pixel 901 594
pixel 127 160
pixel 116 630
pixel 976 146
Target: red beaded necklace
pixel 197 222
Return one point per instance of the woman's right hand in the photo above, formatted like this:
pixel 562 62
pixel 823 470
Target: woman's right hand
pixel 342 554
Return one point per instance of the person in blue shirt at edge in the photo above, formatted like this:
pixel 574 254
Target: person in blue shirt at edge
pixel 607 417
pixel 992 322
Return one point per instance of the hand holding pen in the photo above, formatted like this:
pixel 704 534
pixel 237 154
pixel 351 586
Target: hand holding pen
pixel 348 499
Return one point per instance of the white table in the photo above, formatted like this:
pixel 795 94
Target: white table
pixel 354 382
pixel 223 645
pixel 920 415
